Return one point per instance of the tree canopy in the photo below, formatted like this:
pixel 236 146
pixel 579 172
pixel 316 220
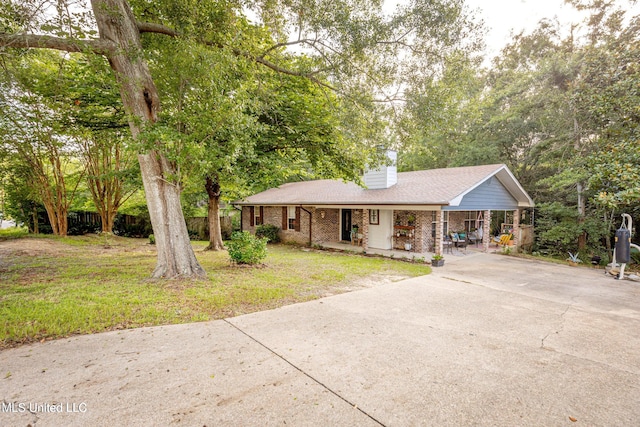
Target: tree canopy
pixel 350 49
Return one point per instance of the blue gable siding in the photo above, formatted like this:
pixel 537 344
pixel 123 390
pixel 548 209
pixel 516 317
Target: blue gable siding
pixel 491 194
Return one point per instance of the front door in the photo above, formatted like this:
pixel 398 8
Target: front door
pixel 380 233
pixel 346 224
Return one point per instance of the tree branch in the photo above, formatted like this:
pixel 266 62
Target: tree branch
pixel 149 27
pixel 309 42
pixel 25 41
pixel 281 70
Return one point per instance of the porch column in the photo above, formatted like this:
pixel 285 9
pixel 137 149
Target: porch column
pixel 437 245
pixel 365 229
pixel 516 228
pixel 486 231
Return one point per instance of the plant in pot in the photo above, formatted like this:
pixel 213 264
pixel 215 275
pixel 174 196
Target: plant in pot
pixel 437 260
pixel 411 220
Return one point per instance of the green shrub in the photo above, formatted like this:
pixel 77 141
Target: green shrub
pixel 268 231
pixel 245 248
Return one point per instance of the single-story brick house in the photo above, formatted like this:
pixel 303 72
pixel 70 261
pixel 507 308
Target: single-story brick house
pixel 394 209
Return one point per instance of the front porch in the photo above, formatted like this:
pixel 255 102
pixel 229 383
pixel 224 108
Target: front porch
pixel 393 232
pixel 409 255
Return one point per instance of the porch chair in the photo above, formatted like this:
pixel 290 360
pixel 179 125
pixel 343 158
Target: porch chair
pixel 447 244
pixel 462 243
pixel 459 241
pixel 356 238
pixel 503 239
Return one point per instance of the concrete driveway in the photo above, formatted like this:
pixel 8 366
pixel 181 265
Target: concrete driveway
pixel 486 340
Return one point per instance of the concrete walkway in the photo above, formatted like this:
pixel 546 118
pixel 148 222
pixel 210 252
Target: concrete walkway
pixel 486 340
pixel 410 255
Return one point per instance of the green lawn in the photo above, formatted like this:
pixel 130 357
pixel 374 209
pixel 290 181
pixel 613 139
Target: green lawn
pixel 55 287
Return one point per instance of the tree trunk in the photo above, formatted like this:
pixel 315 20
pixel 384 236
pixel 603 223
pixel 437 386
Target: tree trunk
pixel 215 234
pixel 107 218
pixel 582 204
pixel 56 210
pixel 582 214
pixel 107 222
pixel 36 226
pixel 117 24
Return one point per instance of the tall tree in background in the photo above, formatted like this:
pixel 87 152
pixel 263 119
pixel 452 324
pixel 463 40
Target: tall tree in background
pixel 76 103
pixel 97 123
pixel 109 169
pixel 32 130
pixel 559 107
pixel 438 115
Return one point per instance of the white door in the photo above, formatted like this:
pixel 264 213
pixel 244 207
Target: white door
pixel 380 234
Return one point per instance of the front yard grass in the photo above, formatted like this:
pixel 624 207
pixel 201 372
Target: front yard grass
pixel 54 287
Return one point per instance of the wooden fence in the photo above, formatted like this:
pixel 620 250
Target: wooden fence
pixel 525 237
pixel 199 227
pixel 82 222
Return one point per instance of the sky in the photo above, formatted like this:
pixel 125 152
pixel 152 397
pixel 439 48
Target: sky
pixel 503 16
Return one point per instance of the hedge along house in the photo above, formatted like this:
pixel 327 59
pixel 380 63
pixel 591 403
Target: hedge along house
pixel 408 210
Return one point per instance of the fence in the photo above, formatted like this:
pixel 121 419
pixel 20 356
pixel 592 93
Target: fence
pixel 199 227
pixel 82 222
pixel 526 237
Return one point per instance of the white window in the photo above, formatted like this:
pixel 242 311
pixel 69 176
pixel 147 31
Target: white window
pixel 257 211
pixel 374 216
pixel 291 215
pixel 473 220
pixel 445 224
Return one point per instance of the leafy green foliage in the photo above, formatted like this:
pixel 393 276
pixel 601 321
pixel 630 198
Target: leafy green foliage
pixel 269 232
pixel 558 229
pixel 245 248
pixel 559 108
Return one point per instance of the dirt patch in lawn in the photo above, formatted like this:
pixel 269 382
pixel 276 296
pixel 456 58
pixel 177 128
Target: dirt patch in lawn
pixel 30 247
pixel 373 280
pixel 35 246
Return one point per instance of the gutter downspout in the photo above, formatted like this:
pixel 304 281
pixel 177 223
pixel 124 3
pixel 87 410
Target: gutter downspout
pixel 310 224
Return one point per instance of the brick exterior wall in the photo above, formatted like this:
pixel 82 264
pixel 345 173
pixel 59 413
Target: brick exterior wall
pixel 438 243
pixel 486 231
pixel 273 215
pixel 364 228
pixel 456 221
pixel 324 230
pixel 423 231
pixel 327 229
pixel 516 227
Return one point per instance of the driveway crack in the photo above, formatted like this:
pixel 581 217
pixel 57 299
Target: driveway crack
pixel 312 378
pixel 561 327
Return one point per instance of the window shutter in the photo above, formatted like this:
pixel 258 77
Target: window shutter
pixel 252 216
pixel 261 214
pixel 285 218
pixel 297 219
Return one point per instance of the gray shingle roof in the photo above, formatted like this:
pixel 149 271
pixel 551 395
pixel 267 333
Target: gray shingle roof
pixel 427 187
